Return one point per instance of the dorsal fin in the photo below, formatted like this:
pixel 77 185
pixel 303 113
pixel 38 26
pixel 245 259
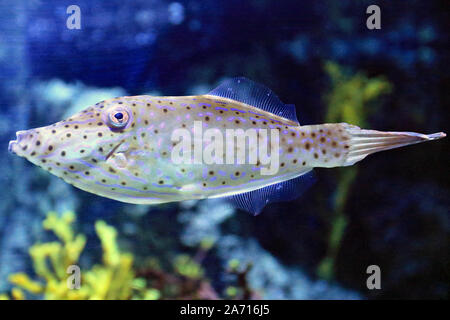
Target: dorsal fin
pixel 244 90
pixel 255 201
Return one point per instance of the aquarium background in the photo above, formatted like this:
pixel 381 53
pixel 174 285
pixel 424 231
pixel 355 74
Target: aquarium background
pixel 390 210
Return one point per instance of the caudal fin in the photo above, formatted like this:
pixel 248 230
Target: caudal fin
pixel 364 142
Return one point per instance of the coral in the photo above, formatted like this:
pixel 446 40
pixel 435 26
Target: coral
pixel 251 271
pixel 268 278
pixel 115 278
pixel 186 278
pixel 204 222
pixel 352 95
pixel 187 267
pixel 351 99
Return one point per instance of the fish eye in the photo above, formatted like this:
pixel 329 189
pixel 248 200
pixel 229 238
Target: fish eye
pixel 118 117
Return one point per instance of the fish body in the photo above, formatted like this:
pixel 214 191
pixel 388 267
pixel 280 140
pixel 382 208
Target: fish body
pixel 126 148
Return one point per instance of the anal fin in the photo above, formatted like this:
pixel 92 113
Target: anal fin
pixel 254 201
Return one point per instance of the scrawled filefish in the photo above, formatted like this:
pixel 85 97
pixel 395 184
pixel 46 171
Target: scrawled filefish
pixel 128 148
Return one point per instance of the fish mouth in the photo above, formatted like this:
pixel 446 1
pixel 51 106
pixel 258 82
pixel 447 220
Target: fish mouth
pixel 14 145
pixel 11 146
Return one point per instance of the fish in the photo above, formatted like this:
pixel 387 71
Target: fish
pixel 125 148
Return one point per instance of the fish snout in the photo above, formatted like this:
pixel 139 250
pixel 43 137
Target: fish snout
pixel 21 143
pixel 11 146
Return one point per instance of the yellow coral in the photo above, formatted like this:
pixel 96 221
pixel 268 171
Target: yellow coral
pixel 350 100
pixel 113 279
pixel 186 266
pixel 22 280
pixel 352 94
pixel 17 294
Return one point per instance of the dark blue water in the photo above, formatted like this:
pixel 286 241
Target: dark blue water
pixel 396 209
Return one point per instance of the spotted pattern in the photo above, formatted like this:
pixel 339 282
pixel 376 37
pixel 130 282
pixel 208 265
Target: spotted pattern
pixel 133 163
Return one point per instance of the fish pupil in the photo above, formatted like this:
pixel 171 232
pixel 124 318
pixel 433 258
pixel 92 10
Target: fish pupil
pixel 119 116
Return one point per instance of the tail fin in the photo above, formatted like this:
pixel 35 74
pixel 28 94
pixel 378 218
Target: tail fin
pixel 364 142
